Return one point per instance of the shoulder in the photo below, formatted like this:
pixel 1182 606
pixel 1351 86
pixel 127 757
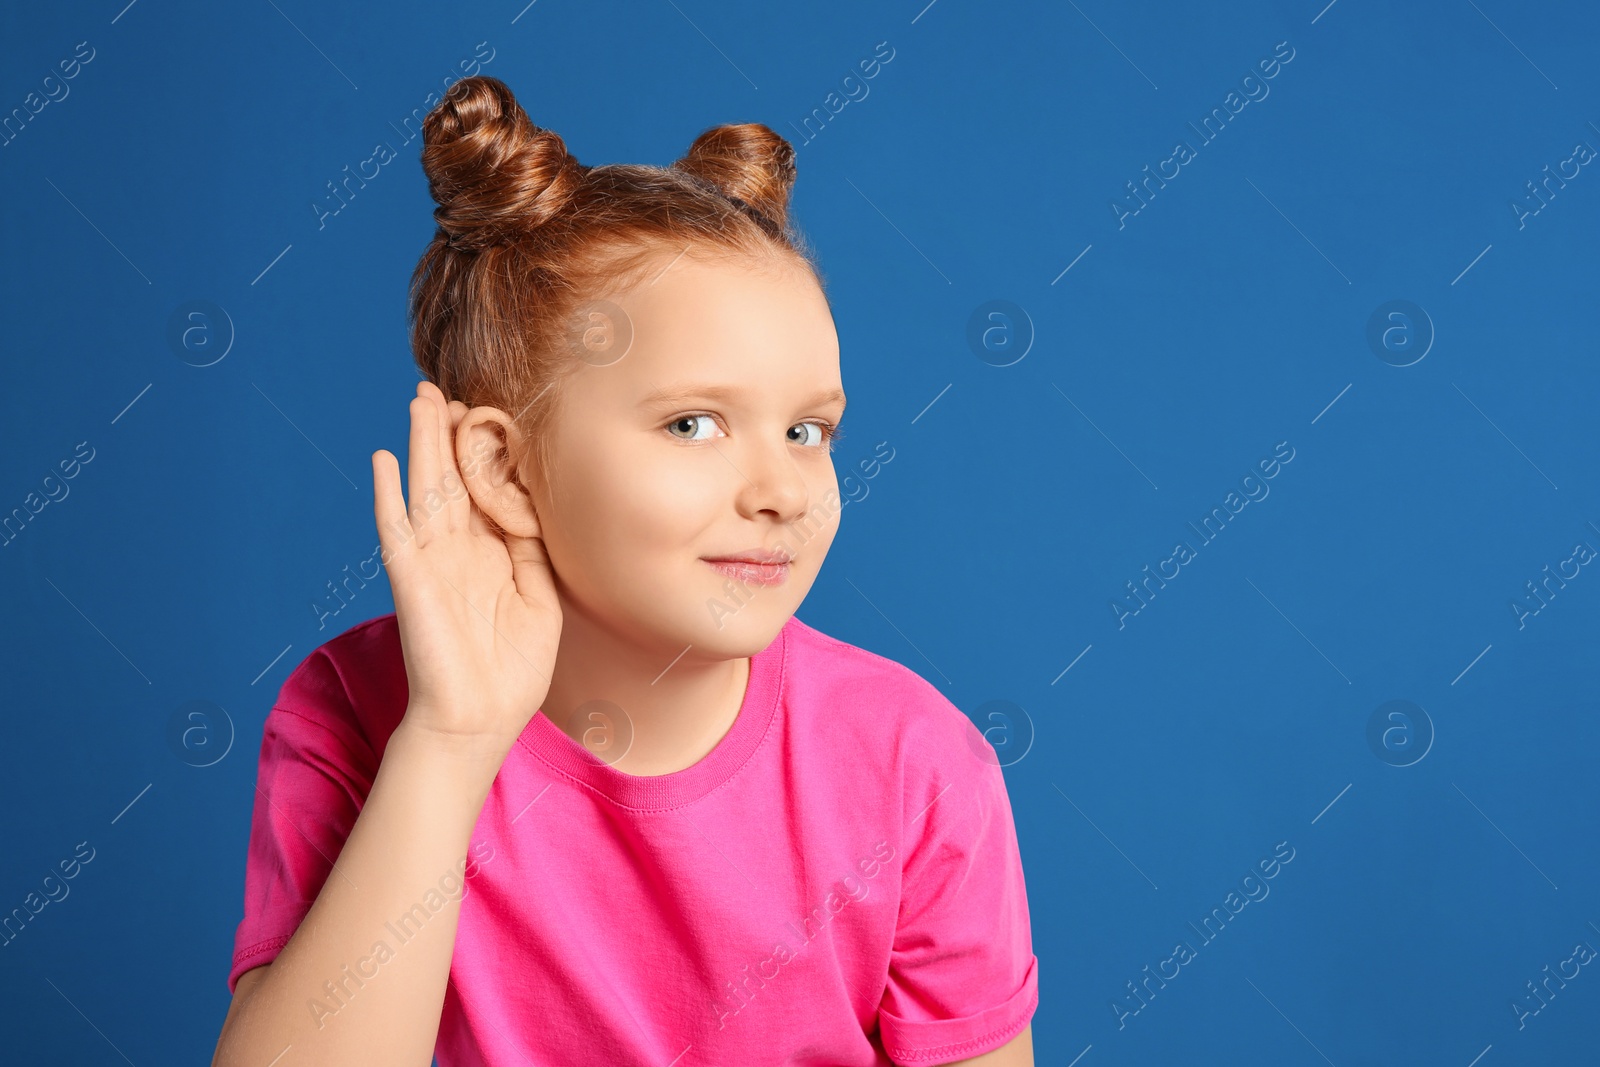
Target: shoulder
pixel 352 685
pixel 885 735
pixel 874 701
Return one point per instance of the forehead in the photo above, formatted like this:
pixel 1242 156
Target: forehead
pixel 724 322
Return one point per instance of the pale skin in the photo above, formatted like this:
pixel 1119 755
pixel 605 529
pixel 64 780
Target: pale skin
pixel 594 587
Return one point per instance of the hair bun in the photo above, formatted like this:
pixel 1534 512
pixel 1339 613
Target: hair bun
pixel 494 174
pixel 747 163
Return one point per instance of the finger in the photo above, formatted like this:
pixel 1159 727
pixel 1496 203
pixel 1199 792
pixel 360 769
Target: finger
pixel 444 480
pixel 456 507
pixel 389 506
pixel 530 565
pixel 478 524
pixel 424 480
pixel 458 411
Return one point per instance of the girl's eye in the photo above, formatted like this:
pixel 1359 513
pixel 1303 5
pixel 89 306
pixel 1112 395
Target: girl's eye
pixel 684 429
pixel 825 434
pixel 679 423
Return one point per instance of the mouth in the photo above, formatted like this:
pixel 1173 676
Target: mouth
pixel 751 571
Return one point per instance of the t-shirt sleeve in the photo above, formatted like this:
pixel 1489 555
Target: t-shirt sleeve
pixel 315 772
pixel 963 978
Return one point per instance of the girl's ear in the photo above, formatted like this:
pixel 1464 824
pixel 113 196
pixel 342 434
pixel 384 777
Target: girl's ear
pixel 488 445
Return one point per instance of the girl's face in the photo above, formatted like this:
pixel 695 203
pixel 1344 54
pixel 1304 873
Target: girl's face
pixel 708 438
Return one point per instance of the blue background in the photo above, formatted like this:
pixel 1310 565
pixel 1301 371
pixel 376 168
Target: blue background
pixel 1230 313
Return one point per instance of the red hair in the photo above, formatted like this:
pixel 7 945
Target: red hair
pixel 528 236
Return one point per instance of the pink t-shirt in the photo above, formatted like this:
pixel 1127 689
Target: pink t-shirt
pixel 837 883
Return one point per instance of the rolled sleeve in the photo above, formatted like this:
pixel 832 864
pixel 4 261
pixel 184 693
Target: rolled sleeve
pixel 963 978
pixel 314 773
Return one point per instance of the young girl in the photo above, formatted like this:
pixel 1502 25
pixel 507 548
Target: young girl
pixel 592 794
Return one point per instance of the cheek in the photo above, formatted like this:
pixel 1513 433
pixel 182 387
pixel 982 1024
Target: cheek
pixel 669 499
pixel 620 506
pixel 813 534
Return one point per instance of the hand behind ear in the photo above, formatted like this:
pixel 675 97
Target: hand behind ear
pixel 478 613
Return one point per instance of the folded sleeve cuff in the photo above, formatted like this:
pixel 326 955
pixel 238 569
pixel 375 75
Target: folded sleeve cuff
pixel 256 955
pixel 926 1041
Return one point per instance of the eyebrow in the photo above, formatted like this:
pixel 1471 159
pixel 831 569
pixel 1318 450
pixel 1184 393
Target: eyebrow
pixel 682 392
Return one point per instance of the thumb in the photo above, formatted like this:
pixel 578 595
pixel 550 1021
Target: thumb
pixel 531 569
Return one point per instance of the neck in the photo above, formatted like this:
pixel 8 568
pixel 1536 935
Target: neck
pixel 676 704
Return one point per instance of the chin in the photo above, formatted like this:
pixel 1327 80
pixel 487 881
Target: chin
pixel 743 633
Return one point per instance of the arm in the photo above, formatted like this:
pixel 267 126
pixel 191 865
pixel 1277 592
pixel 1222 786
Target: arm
pixel 470 688
pixel 415 827
pixel 1018 1052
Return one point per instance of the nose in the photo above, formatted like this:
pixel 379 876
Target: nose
pixel 772 482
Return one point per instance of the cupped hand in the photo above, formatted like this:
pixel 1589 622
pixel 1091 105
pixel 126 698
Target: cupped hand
pixel 477 609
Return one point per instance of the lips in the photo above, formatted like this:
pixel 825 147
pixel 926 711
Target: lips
pixel 752 555
pixel 748 572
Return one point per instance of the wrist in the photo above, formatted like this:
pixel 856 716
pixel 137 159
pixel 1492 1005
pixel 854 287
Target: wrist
pixel 470 755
